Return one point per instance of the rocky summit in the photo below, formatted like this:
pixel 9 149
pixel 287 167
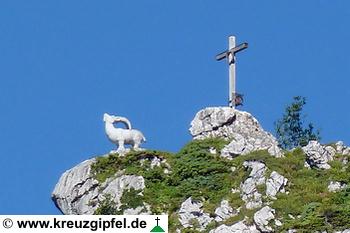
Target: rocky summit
pixel 240 128
pixel 232 177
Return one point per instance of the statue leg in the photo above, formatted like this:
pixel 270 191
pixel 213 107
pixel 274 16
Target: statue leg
pixel 121 145
pixel 136 145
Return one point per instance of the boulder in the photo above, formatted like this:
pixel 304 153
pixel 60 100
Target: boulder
pixel 257 172
pixel 346 151
pixel 191 211
pixel 224 211
pixel 318 155
pixel 335 186
pixel 263 217
pixel 341 148
pixel 240 128
pixel 275 184
pixel 249 192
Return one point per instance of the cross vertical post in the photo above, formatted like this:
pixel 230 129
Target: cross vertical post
pixel 230 55
pixel 232 72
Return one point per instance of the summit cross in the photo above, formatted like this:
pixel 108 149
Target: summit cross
pixel 230 55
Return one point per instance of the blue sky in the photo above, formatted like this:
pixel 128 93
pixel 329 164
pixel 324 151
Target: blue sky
pixel 64 63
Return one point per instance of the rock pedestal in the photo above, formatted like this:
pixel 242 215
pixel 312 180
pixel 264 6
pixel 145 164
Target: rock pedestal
pixel 240 128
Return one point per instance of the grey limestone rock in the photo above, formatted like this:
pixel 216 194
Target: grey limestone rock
pixel 341 148
pixel 263 217
pixel 75 189
pixel 224 211
pixel 117 185
pixel 318 155
pixel 240 128
pixel 77 192
pixel 249 192
pixel 275 184
pixel 157 162
pixel 278 223
pixel 192 211
pixel 258 170
pixel 335 186
pixel 346 151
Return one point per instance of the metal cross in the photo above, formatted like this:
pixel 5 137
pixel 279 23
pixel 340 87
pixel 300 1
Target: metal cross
pixel 230 55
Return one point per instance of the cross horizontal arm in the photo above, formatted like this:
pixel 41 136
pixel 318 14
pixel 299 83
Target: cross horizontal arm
pixel 234 50
pixel 222 55
pixel 239 48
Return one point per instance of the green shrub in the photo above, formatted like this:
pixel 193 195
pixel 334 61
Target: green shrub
pixel 131 199
pixel 290 130
pixel 107 206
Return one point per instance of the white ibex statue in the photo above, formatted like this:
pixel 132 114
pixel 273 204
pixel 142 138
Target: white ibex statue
pixel 121 136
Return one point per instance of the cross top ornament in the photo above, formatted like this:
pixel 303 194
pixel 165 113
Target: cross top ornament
pixel 230 55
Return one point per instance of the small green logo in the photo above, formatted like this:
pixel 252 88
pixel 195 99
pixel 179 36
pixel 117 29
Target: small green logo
pixel 157 228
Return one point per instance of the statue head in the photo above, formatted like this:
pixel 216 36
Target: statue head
pixel 115 119
pixel 108 118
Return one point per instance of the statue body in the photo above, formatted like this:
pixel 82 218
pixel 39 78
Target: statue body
pixel 122 136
